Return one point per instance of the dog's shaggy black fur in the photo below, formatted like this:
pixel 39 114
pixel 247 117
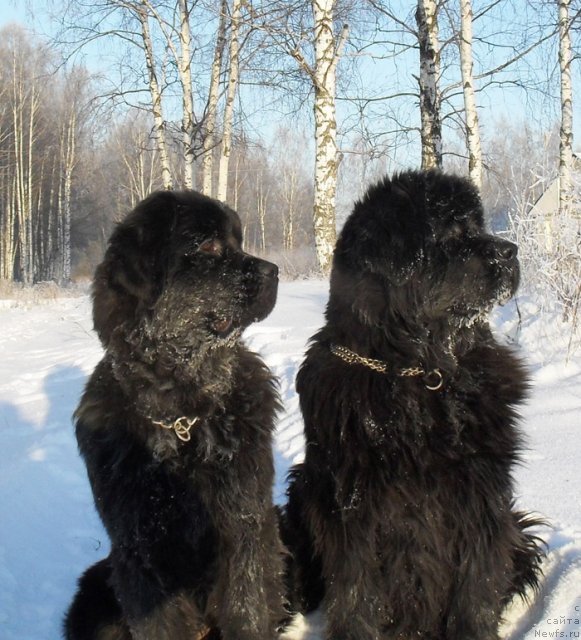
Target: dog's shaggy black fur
pixel 401 517
pixel 195 549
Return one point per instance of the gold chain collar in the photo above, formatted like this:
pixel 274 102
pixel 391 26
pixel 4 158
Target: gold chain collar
pixel 182 427
pixel 350 357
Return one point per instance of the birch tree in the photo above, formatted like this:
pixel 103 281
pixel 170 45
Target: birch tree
pixel 286 156
pixel 40 124
pixel 155 93
pixel 328 47
pixel 7 227
pixel 25 104
pixel 68 146
pixel 319 66
pixel 213 96
pixel 185 73
pixel 327 53
pixel 468 90
pixel 233 80
pixel 182 56
pixel 132 24
pixel 430 98
pixel 139 162
pixel 566 131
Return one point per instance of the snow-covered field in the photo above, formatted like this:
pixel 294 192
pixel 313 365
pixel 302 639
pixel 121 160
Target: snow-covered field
pixel 49 531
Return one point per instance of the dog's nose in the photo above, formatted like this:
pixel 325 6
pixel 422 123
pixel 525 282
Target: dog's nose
pixel 251 266
pixel 267 269
pixel 505 250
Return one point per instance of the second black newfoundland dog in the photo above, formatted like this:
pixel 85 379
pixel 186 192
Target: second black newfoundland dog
pixel 401 517
pixel 175 427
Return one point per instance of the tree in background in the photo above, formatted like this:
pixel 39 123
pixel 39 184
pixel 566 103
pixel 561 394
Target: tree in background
pixel 24 101
pixel 469 93
pixel 430 99
pixel 155 37
pixel 159 124
pixel 42 125
pixel 566 132
pixel 320 68
pixel 213 98
pixel 285 59
pixel 328 49
pixel 231 91
pixel 177 37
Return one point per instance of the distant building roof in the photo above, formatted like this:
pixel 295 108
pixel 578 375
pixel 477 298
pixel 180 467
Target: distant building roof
pixel 548 203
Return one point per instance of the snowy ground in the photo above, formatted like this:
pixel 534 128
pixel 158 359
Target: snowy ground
pixel 49 531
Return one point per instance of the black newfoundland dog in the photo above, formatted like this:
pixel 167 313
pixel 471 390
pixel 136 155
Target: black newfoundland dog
pixel 401 517
pixel 175 427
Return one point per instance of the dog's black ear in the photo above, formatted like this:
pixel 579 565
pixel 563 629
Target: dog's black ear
pixel 385 233
pixel 130 277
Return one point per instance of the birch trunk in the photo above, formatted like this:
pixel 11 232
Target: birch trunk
pixel 8 252
pixel 211 117
pixel 52 221
pixel 28 190
pixel 233 76
pixel 156 104
pixel 327 53
pixel 290 187
pixel 431 126
pixel 185 73
pixel 68 164
pixel 470 110
pixel 43 260
pixel 24 106
pixel 262 207
pixel 182 56
pixel 566 132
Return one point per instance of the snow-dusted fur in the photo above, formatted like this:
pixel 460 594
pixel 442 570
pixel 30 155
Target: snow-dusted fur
pixel 401 518
pixel 195 551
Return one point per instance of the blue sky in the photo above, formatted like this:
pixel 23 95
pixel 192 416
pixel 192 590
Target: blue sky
pixel 508 103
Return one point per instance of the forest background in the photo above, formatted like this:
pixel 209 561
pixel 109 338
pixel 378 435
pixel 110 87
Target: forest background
pixel 287 110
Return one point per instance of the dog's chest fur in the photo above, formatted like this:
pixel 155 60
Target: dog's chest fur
pixel 230 433
pixel 387 439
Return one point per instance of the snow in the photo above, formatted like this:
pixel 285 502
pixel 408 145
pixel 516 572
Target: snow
pixel 49 530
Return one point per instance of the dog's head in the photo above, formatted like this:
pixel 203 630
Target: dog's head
pixel 175 266
pixel 415 248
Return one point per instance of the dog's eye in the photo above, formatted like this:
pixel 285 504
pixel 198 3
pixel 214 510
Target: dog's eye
pixel 212 246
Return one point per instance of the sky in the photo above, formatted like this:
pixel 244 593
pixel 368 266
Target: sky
pixel 508 103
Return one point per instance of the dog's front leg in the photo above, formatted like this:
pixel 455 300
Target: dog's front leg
pixel 353 601
pixel 246 600
pixel 244 612
pixel 239 601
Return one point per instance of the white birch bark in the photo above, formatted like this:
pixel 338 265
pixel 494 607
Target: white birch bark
pixel 233 77
pixel 53 208
pixel 470 110
pixel 8 252
pixel 68 164
pixel 139 161
pixel 24 106
pixel 431 126
pixel 29 256
pixel 185 73
pixel 182 56
pixel 262 196
pixel 156 103
pixel 566 132
pixel 289 190
pixel 41 254
pixel 212 113
pixel 327 54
